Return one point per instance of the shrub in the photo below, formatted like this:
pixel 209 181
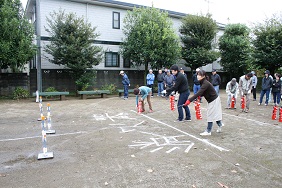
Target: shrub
pixel 111 87
pixel 20 93
pixel 50 89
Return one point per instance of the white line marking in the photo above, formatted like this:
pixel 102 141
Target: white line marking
pixel 138 124
pixel 146 146
pixel 188 148
pixel 155 141
pixel 109 117
pixel 199 139
pixel 152 151
pixel 172 149
pixel 30 137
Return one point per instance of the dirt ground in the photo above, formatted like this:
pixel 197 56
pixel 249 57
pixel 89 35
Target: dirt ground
pixel 103 142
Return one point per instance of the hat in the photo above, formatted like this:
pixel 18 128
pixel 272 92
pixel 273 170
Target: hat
pixel 181 68
pixel 233 80
pixel 253 72
pixel 267 72
pixel 197 69
pixel 121 72
pixel 213 70
pixel 250 75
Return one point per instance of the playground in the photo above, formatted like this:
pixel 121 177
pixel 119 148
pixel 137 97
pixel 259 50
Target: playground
pixel 104 142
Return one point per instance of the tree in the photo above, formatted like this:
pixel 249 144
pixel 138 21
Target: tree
pixel 16 37
pixel 267 43
pixel 72 46
pixel 235 49
pixel 150 38
pixel 197 35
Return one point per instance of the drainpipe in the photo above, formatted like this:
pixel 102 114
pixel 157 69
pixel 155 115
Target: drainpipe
pixel 38 39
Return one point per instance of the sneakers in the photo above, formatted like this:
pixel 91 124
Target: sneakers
pixel 187 120
pixel 218 130
pixel 206 133
pixel 266 104
pixel 150 111
pixel 177 120
pixel 259 104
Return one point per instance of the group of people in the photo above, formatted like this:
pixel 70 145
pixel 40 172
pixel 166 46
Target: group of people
pixel 175 80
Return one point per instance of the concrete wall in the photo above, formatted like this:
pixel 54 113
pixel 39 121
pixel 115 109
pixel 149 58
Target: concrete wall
pixel 9 82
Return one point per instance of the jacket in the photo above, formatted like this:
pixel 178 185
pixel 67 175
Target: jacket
pixel 215 80
pixel 207 90
pixel 195 79
pixel 181 84
pixel 245 85
pixel 232 89
pixel 160 77
pixel 144 92
pixel 125 80
pixel 276 86
pixel 266 83
pixel 150 79
pixel 168 80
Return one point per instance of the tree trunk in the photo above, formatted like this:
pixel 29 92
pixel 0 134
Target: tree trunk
pixel 145 73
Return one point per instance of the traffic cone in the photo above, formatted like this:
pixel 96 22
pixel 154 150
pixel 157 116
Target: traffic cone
pixel 40 108
pixel 274 112
pixel 45 154
pixel 172 106
pixel 233 102
pixel 280 114
pixel 49 121
pixel 198 110
pixel 243 103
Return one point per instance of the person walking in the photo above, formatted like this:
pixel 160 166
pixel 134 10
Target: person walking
pixel 168 82
pixel 144 92
pixel 160 78
pixel 265 88
pixel 150 80
pixel 245 87
pixel 125 83
pixel 180 85
pixel 215 81
pixel 232 90
pixel 276 89
pixel 254 87
pixel 214 111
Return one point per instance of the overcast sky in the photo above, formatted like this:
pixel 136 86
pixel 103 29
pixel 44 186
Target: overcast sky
pixel 223 11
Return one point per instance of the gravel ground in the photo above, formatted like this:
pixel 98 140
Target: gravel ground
pixel 103 142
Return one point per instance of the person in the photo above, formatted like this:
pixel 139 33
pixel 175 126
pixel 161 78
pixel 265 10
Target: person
pixel 182 71
pixel 270 96
pixel 276 89
pixel 245 87
pixel 215 81
pixel 160 78
pixel 125 83
pixel 144 92
pixel 254 87
pixel 168 82
pixel 232 90
pixel 196 85
pixel 180 85
pixel 265 88
pixel 214 112
pixel 150 80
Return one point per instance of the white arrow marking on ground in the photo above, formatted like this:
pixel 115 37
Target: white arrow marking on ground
pixel 152 151
pixel 172 149
pixel 188 148
pixel 109 117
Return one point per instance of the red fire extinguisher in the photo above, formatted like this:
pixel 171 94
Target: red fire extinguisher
pixel 274 112
pixel 233 102
pixel 139 107
pixel 198 110
pixel 172 100
pixel 243 103
pixel 280 114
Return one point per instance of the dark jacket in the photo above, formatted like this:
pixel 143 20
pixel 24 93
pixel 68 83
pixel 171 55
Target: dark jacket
pixel 207 90
pixel 215 80
pixel 160 77
pixel 266 83
pixel 195 79
pixel 125 80
pixel 181 84
pixel 276 86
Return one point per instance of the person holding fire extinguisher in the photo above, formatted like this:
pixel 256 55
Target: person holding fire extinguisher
pixel 232 90
pixel 214 112
pixel 245 88
pixel 144 92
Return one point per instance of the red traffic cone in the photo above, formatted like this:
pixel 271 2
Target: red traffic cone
pixel 139 107
pixel 233 102
pixel 198 110
pixel 274 112
pixel 280 114
pixel 243 103
pixel 172 99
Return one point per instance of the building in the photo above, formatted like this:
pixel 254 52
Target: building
pixel 106 15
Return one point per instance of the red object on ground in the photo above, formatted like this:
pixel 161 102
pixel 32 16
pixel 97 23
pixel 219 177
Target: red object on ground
pixel 233 102
pixel 139 107
pixel 280 114
pixel 243 103
pixel 198 110
pixel 274 112
pixel 172 99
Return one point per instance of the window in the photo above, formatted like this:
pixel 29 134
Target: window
pixel 126 63
pixel 116 20
pixel 112 59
